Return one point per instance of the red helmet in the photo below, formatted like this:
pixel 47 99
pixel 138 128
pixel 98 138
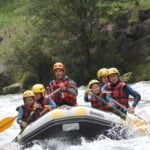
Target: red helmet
pixel 59 65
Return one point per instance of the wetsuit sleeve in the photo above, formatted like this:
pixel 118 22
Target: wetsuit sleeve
pixel 72 88
pixel 87 98
pixel 136 95
pixel 103 88
pixel 107 96
pixel 20 115
pixel 52 103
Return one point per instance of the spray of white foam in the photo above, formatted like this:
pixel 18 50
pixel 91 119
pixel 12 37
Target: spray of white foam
pixel 9 103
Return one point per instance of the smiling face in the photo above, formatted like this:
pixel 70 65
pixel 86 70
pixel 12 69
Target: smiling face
pixel 29 101
pixel 113 78
pixel 38 96
pixel 104 79
pixel 95 88
pixel 59 73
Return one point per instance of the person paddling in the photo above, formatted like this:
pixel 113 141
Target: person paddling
pixel 44 103
pixel 25 110
pixel 121 91
pixel 102 77
pixel 94 88
pixel 68 89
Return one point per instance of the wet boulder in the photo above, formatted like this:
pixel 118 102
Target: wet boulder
pixel 127 77
pixel 13 88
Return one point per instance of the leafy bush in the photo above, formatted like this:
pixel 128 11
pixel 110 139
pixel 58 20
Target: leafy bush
pixel 29 79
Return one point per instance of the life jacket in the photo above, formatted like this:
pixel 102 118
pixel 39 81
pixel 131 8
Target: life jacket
pixel 118 93
pixel 43 101
pixel 62 97
pixel 98 104
pixel 27 111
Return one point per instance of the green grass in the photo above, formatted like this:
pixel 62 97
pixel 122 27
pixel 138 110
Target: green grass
pixel 144 4
pixel 10 12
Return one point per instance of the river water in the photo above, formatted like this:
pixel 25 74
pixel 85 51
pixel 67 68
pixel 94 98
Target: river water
pixel 8 104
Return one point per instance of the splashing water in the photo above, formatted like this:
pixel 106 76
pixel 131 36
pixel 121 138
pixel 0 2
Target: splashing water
pixel 9 103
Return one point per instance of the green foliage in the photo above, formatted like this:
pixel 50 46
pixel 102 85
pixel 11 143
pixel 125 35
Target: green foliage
pixel 10 12
pixel 142 72
pixel 75 34
pixel 81 33
pixel 29 79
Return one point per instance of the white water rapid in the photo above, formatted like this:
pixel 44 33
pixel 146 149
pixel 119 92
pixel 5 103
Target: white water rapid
pixel 8 104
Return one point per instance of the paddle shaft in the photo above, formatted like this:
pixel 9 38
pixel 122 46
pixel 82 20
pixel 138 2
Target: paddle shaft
pixel 31 114
pixel 122 115
pixel 53 92
pixel 147 101
pixel 126 109
pixel 34 111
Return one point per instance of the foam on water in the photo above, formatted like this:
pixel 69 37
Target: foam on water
pixel 9 103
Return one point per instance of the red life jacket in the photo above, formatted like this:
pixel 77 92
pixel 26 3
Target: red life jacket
pixel 27 112
pixel 118 93
pixel 62 97
pixel 98 104
pixel 43 101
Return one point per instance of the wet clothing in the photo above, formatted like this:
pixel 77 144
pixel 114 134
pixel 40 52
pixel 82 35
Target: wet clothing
pixel 24 112
pixel 103 87
pixel 107 96
pixel 96 103
pixel 120 93
pixel 43 102
pixel 67 97
pixel 47 101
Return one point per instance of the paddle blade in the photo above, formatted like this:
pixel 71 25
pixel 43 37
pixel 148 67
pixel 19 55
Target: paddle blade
pixel 6 123
pixel 146 101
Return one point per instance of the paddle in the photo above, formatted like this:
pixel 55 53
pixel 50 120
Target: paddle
pixel 53 92
pixel 28 120
pixel 119 112
pixel 146 101
pixel 8 121
pixel 135 123
pixel 33 113
pixel 126 109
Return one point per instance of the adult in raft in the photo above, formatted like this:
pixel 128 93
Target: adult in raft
pixel 121 91
pixel 44 103
pixel 67 88
pixel 24 111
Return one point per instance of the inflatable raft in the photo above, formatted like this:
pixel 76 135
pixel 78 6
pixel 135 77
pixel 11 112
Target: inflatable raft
pixel 69 124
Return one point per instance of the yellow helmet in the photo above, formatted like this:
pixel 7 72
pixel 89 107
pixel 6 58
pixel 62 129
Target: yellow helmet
pixel 59 65
pixel 102 72
pixel 93 82
pixel 38 88
pixel 28 93
pixel 113 71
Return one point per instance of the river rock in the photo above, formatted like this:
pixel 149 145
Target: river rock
pixel 127 77
pixel 13 88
